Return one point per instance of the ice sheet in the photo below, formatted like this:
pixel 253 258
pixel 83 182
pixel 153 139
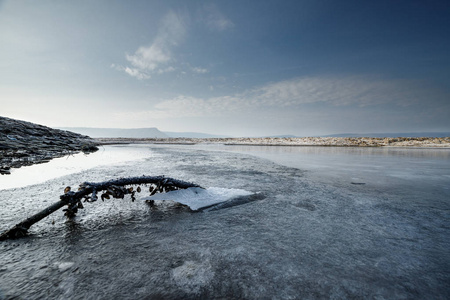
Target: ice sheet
pixel 197 198
pixel 314 235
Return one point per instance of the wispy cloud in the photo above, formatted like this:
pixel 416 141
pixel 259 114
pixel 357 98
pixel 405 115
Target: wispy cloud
pixel 214 19
pixel 200 70
pixel 158 57
pixel 293 94
pixel 166 70
pixel 155 57
pixel 133 72
pixel 358 91
pixel 136 73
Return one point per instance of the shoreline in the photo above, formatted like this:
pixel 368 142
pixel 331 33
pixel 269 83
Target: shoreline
pixel 24 143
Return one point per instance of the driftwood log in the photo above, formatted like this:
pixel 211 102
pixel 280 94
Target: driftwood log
pixel 88 192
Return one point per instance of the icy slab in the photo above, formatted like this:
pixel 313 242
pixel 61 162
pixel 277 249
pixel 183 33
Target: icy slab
pixel 63 266
pixel 197 198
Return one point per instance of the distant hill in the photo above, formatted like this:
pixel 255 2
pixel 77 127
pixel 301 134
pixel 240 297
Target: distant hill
pixel 394 134
pixel 117 132
pixel 192 135
pixel 154 132
pixel 137 133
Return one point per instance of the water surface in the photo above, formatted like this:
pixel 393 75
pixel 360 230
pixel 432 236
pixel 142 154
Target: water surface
pixel 72 163
pixel 312 235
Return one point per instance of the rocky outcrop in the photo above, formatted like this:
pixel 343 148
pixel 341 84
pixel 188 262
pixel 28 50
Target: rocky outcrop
pixel 24 143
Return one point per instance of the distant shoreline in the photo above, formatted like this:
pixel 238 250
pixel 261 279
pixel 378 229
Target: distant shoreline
pixel 424 142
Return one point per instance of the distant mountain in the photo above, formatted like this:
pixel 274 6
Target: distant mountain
pixel 394 134
pixel 192 135
pixel 155 133
pixel 117 132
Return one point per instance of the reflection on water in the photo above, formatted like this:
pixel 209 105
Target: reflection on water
pixel 70 164
pixel 333 152
pixel 382 151
pixel 415 169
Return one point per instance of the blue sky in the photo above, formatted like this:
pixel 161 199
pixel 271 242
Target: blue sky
pixel 238 68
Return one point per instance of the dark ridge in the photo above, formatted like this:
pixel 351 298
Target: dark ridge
pixel 24 143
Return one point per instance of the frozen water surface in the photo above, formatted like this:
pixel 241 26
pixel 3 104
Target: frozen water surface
pixel 200 198
pixel 311 232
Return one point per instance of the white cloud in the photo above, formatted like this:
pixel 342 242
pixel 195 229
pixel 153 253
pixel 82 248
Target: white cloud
pixel 136 73
pixel 133 72
pixel 149 59
pixel 158 57
pixel 166 70
pixel 291 95
pixel 336 91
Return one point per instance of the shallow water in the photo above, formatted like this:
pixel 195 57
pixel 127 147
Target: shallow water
pixel 310 234
pixel 70 164
pixel 379 166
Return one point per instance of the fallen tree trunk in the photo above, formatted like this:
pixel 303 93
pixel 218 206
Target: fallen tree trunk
pixel 88 191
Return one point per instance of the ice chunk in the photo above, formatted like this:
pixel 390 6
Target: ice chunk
pixel 63 266
pixel 197 198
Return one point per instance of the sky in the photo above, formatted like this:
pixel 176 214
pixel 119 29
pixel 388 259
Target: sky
pixel 236 68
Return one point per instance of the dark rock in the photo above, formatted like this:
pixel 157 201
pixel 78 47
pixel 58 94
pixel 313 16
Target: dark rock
pixel 23 143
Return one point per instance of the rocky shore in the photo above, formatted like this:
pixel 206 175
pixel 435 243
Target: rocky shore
pixel 24 143
pixel 304 141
